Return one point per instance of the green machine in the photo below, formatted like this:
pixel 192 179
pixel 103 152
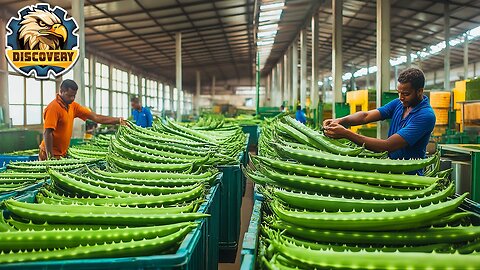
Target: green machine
pixel 16 139
pixel 466 167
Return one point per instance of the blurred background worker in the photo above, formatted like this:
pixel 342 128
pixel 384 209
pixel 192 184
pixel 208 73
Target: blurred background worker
pixel 58 121
pixel 300 115
pixel 141 115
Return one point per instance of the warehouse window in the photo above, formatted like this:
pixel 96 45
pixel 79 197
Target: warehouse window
pixel 69 75
pixel 134 84
pixel 182 102
pixel 160 97
pixel 101 81
pixel 86 63
pixel 33 101
pixel 166 97
pixel 120 93
pixel 143 91
pixel 16 99
pixel 175 98
pixel 27 98
pixel 151 94
pixel 188 103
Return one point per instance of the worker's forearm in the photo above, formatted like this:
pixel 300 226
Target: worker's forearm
pixel 108 120
pixel 358 118
pixel 373 144
pixel 48 139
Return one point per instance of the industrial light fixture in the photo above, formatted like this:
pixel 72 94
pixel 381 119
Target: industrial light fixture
pixel 270 14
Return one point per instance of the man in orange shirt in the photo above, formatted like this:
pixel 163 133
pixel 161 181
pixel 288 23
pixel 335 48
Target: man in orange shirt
pixel 58 121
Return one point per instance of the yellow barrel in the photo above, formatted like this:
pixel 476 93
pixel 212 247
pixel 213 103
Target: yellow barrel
pixel 440 99
pixel 442 116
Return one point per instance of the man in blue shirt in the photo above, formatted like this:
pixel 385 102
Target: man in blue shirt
pixel 300 115
pixel 141 115
pixel 412 122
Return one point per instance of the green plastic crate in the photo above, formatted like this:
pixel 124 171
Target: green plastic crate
pixel 244 159
pixel 198 251
pixel 252 130
pixel 76 141
pixel 341 110
pixel 230 204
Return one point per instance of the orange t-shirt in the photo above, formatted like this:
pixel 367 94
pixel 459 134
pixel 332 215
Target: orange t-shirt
pixel 59 117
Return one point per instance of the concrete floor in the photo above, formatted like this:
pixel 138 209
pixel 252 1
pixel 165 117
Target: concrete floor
pixel 246 213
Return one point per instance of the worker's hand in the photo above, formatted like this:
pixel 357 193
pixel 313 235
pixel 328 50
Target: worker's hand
pixel 336 131
pixel 123 122
pixel 328 122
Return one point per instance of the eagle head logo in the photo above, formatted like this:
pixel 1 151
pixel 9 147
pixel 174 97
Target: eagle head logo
pixel 42 41
pixel 42 30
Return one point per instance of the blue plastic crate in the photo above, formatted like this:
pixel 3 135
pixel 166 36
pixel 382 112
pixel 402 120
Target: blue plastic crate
pixel 7 195
pixel 5 159
pixel 250 240
pixel 256 194
pixel 198 251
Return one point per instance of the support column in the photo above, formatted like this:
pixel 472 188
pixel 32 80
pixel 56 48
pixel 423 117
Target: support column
pixel 197 94
pixel 288 77
pixel 4 103
pixel 395 78
pixel 368 72
pixel 213 89
pixel 163 99
pixel 285 79
pixel 337 55
pixel 465 57
pixel 79 68
pixel 303 67
pixel 159 102
pixel 295 74
pixel 314 96
pixel 110 87
pixel 257 84
pixel 172 101
pixel 268 91
pixel 140 85
pixel 409 54
pixel 383 57
pixel 446 59
pixel 274 93
pixel 93 82
pixel 281 82
pixel 178 76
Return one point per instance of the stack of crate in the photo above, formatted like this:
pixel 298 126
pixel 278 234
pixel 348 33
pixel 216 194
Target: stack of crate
pixel 440 102
pixel 467 90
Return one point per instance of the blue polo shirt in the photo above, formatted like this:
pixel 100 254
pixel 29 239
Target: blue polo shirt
pixel 300 117
pixel 143 117
pixel 415 129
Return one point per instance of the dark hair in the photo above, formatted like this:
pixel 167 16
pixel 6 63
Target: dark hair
pixel 414 76
pixel 68 84
pixel 134 99
pixel 299 107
